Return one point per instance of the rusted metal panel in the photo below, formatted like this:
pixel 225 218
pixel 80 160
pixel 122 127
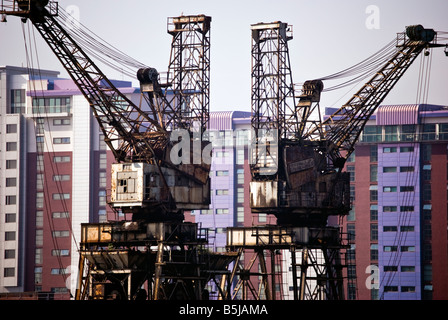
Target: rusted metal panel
pixel 146 185
pixel 96 233
pixel 264 194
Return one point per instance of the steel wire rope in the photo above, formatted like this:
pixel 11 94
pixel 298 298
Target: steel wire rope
pixel 98 47
pixel 55 166
pixel 361 70
pixel 47 201
pixel 405 219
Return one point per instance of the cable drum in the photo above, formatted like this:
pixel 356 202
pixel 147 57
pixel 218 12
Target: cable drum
pixel 418 33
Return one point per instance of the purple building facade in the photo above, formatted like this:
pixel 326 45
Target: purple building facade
pixel 229 132
pixel 399 204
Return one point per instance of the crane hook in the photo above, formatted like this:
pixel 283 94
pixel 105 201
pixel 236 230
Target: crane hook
pixel 446 50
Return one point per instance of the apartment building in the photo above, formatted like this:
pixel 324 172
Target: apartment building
pixel 53 177
pixel 399 213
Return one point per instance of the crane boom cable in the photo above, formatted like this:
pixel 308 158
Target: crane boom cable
pixel 361 70
pixel 98 47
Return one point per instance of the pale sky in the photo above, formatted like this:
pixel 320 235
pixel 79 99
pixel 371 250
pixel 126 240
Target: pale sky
pixel 329 36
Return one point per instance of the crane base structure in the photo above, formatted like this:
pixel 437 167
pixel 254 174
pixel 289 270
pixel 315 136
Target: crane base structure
pixel 148 261
pixel 317 259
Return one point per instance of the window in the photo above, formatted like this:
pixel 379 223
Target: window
pixel 11 164
pixel 11 182
pixel 406 208
pixel 407 289
pixel 18 101
pixel 240 195
pixel 390 268
pixel 51 105
pixel 61 177
pixel 61 159
pixel 426 192
pixel 351 214
pixel 10 217
pixel 373 173
pixel 373 153
pixel 373 252
pixel 39 218
pixel 102 179
pixel 391 133
pixel 390 288
pixel 408 132
pixel 351 230
pixel 222 173
pixel 351 157
pixel 39 237
pixel 407 249
pixel 11 146
pixel 9 272
pixel 56 271
pixel 60 234
pixel 222 211
pixel 11 128
pixel 406 228
pixel 57 215
pixel 407 269
pixel 65 140
pixel 406 169
pixel 390 248
pixel 429 131
pixel 240 156
pixel 373 212
pixel 373 231
pixel 61 196
pixel 61 122
pixel 373 193
pixel 240 214
pixel 10 200
pixel 10 254
pixel 406 149
pixel 240 176
pixel 60 252
pixel 221 192
pixel 389 149
pixel 390 228
pixel 406 188
pixel 10 236
pixel 39 200
pixel 426 172
pixel 372 134
pixel 39 181
pixel 389 209
pixel 426 150
pixel 389 169
pixel 38 256
pixel 351 171
pixel 389 189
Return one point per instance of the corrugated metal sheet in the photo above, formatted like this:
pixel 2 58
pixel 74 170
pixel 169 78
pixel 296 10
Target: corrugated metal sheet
pixel 398 114
pixel 222 120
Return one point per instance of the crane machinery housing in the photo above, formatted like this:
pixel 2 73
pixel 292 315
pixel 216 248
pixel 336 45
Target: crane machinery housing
pixel 296 163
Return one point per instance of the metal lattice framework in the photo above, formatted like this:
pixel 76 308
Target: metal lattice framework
pixel 273 102
pixel 189 70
